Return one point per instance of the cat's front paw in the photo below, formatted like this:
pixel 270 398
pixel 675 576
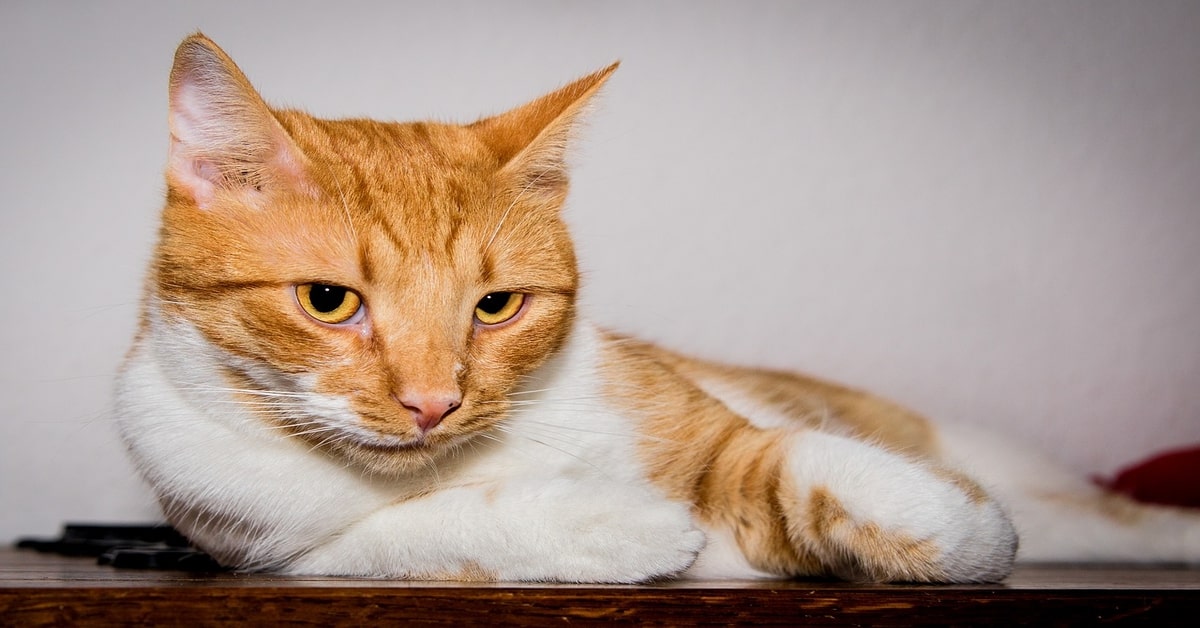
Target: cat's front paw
pixel 615 535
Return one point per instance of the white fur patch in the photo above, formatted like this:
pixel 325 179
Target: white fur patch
pixel 1063 517
pixel 555 494
pixel 758 413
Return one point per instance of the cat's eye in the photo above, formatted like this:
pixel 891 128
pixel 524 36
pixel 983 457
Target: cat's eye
pixel 329 304
pixel 498 307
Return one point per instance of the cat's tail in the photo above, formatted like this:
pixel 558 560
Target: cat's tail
pixel 1061 516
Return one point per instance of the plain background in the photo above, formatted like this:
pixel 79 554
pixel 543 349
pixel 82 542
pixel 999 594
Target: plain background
pixel 989 211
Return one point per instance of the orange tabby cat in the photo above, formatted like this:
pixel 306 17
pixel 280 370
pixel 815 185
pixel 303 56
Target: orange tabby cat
pixel 360 354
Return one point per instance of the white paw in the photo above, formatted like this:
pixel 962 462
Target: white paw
pixel 617 535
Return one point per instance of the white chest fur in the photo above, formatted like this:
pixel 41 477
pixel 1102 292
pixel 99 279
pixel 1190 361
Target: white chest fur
pixel 253 496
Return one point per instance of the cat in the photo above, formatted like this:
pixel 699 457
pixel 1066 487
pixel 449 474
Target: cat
pixel 360 354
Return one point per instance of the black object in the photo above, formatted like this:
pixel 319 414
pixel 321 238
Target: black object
pixel 127 546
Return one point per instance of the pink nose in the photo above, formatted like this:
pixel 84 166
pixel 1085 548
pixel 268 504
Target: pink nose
pixel 429 409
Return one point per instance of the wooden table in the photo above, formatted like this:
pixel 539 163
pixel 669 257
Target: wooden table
pixel 40 589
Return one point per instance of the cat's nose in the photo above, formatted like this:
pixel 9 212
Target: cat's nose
pixel 429 409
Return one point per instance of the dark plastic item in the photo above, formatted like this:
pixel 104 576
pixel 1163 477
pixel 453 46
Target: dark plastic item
pixel 153 546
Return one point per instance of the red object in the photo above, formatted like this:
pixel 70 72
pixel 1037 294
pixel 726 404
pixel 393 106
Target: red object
pixel 1171 478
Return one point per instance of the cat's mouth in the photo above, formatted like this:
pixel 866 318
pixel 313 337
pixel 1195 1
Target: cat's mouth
pixel 384 443
pixel 338 436
pixel 419 444
pixel 369 440
pixel 391 454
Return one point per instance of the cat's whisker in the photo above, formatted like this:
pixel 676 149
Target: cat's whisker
pixel 319 430
pixel 508 210
pixel 430 464
pixel 512 442
pixel 333 438
pixel 592 404
pixel 559 440
pixel 582 430
pixel 276 403
pixel 232 394
pixel 583 405
pixel 289 426
pixel 530 392
pixel 351 235
pixel 248 391
pixel 516 402
pixel 561 450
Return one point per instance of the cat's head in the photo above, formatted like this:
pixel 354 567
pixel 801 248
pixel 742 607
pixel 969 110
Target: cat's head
pixel 375 288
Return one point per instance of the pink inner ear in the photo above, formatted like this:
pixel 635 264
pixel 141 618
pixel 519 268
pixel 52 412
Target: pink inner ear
pixel 206 170
pixel 190 118
pixel 198 177
pixel 219 128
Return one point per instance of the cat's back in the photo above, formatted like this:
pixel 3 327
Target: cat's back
pixel 774 399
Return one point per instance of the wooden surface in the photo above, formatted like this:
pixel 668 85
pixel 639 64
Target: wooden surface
pixel 39 589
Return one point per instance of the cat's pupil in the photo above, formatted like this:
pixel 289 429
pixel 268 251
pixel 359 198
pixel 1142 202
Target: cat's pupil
pixel 494 302
pixel 325 298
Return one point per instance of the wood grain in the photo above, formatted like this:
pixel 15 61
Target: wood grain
pixel 38 590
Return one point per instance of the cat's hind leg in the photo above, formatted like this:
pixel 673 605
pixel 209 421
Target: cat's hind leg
pixel 869 514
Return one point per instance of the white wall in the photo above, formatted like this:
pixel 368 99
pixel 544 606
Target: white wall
pixel 985 210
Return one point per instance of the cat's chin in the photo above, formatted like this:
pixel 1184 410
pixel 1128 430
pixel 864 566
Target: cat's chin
pixel 388 457
pixel 399 448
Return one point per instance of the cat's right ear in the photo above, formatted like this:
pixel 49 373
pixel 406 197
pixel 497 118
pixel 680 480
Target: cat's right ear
pixel 223 135
pixel 531 141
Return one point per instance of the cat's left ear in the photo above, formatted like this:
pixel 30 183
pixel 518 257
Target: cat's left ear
pixel 223 135
pixel 531 140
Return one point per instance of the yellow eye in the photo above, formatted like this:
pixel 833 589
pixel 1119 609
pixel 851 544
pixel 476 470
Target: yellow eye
pixel 328 304
pixel 498 307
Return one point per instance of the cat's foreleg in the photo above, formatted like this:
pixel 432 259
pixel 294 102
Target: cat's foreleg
pixel 869 514
pixel 544 530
